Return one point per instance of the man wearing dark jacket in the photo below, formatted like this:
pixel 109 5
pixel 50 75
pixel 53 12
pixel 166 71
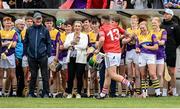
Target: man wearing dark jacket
pixel 173 41
pixel 38 49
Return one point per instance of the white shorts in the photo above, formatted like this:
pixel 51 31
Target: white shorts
pixel 145 59
pixel 64 63
pixel 25 61
pixel 131 56
pixel 50 59
pixel 160 61
pixel 112 59
pixel 10 62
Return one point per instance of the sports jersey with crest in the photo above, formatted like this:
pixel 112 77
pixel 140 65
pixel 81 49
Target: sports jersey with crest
pixel 131 45
pixel 10 35
pixel 55 36
pixel 161 35
pixel 148 40
pixel 112 38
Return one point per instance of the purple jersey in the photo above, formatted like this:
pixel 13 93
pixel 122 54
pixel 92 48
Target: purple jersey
pixel 54 35
pixel 8 36
pixel 161 35
pixel 148 40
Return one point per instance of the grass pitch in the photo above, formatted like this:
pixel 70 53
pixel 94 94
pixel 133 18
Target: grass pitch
pixel 161 102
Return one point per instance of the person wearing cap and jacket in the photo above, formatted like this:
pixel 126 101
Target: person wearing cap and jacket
pixel 38 48
pixel 173 41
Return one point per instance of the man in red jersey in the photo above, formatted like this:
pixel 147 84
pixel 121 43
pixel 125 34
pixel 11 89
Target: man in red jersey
pixel 110 41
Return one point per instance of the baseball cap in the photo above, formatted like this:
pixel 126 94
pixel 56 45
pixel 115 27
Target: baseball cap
pixel 169 11
pixel 37 15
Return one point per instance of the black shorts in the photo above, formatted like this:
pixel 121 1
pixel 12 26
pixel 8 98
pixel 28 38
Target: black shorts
pixel 171 59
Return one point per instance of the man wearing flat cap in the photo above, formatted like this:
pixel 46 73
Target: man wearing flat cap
pixel 38 48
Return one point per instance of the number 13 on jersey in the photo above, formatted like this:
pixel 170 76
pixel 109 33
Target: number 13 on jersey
pixel 114 34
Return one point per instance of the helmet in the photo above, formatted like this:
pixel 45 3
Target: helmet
pixel 95 61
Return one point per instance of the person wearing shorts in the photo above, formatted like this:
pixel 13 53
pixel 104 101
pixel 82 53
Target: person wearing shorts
pixel 55 36
pixel 146 46
pixel 110 36
pixel 9 39
pixel 161 35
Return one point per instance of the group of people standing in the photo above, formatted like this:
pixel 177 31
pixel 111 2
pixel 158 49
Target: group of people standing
pixel 133 57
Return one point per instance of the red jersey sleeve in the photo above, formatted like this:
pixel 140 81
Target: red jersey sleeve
pixel 121 30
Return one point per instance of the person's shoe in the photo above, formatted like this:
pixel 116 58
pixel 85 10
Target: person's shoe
pixel 59 95
pixel 49 95
pixel 69 96
pixel 32 96
pixel 1 94
pixel 159 94
pixel 84 95
pixel 6 94
pixel 123 95
pixel 78 96
pixel 113 95
pixel 100 97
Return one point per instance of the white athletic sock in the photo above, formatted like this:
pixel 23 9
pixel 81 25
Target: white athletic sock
pixel 174 92
pixel 102 94
pixel 164 92
pixel 157 91
pixel 0 93
pixel 14 93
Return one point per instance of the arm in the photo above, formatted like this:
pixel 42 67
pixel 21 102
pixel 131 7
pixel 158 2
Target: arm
pixel 163 38
pixel 155 44
pixel 101 40
pixel 15 39
pixel 137 45
pixel 126 40
pixel 48 43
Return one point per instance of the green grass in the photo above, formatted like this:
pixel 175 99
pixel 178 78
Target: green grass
pixel 164 102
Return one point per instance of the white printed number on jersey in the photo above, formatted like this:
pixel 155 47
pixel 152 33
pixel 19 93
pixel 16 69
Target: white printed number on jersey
pixel 114 34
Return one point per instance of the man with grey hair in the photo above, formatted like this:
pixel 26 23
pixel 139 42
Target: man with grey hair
pixel 19 26
pixel 38 48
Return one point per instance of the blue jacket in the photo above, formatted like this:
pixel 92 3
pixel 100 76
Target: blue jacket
pixel 19 45
pixel 37 42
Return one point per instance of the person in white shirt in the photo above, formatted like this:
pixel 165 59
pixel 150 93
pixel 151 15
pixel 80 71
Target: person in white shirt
pixel 76 43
